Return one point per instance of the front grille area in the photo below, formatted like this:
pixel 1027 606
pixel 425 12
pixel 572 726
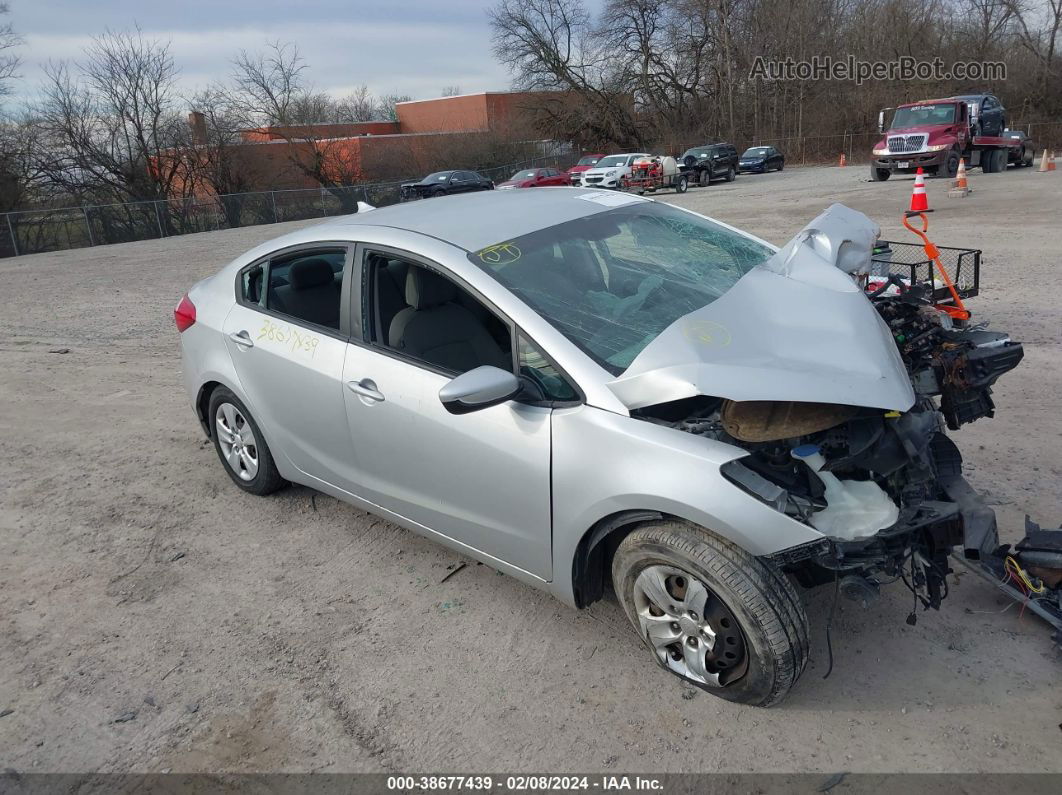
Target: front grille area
pixel 907 144
pixel 592 180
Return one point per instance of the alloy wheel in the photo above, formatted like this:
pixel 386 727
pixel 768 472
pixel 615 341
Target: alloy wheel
pixel 238 446
pixel 688 627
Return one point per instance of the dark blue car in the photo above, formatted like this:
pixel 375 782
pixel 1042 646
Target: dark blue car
pixel 761 159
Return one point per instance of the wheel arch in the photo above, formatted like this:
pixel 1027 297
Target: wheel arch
pixel 210 384
pixel 593 554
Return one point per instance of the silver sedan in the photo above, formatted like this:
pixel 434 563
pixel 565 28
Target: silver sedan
pixel 587 390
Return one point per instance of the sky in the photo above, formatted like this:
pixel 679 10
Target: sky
pixel 414 47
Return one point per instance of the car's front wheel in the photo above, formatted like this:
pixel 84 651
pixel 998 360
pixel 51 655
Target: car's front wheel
pixel 711 613
pixel 240 445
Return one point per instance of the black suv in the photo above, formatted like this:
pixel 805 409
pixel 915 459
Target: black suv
pixel 987 114
pixel 712 161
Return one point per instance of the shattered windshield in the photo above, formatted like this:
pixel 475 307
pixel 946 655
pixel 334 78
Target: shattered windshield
pixel 611 282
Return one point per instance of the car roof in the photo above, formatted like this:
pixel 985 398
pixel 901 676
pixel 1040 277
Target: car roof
pixel 473 221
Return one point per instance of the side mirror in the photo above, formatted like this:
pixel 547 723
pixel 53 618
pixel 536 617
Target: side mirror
pixel 480 388
pixel 881 121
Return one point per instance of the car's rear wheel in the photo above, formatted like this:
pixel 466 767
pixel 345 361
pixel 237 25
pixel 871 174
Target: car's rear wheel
pixel 711 613
pixel 240 445
pixel 731 174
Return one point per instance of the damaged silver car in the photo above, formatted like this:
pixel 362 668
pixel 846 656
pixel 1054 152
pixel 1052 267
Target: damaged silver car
pixel 588 390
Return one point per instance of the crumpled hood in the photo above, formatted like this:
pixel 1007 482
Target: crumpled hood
pixel 796 327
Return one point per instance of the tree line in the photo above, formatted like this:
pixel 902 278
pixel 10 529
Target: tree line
pixel 648 73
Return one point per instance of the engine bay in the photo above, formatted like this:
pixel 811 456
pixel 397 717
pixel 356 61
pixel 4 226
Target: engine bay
pixel 885 487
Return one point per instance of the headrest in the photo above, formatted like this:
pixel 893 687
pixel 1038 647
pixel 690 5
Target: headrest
pixel 310 273
pixel 426 289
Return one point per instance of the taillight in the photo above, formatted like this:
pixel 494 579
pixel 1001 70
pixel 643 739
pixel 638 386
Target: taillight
pixel 184 314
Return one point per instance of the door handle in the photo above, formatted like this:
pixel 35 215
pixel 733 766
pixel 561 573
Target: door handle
pixel 366 388
pixel 241 338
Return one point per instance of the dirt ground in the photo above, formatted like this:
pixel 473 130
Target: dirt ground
pixel 155 618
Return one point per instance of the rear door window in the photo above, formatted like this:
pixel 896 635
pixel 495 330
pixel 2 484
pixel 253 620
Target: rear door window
pixel 307 287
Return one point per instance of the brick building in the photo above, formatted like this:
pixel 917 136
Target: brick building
pixel 427 135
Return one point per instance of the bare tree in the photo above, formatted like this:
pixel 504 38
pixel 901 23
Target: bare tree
pixel 358 105
pixel 109 121
pixel 9 61
pixel 552 45
pixel 387 105
pixel 451 91
pixel 269 85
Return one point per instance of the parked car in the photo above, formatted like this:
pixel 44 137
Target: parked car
pixel 546 381
pixel 536 178
pixel 586 162
pixel 1021 156
pixel 442 183
pixel 987 114
pixel 761 159
pixel 609 171
pixel 712 161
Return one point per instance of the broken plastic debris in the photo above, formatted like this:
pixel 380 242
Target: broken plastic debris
pixel 854 508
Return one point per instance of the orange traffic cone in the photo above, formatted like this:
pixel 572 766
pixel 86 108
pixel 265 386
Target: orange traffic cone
pixel 919 203
pixel 843 162
pixel 1051 161
pixel 1043 163
pixel 959 188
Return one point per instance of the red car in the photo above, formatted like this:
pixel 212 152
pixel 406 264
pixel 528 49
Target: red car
pixel 534 178
pixel 586 162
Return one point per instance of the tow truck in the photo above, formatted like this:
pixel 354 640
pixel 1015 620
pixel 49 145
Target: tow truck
pixel 934 135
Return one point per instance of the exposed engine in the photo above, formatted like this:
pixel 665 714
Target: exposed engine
pixel 884 487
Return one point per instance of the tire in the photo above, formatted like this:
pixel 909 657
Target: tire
pixel 781 166
pixel 689 161
pixel 682 185
pixel 227 411
pixel 731 174
pixel 751 608
pixel 951 167
pixel 437 192
pixel 994 161
pixel 879 174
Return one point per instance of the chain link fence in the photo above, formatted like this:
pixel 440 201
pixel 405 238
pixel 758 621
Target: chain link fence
pixel 36 231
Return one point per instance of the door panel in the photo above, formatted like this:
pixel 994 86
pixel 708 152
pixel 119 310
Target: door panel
pixel 292 377
pixel 482 478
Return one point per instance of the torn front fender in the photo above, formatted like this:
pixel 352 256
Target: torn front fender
pixel 796 327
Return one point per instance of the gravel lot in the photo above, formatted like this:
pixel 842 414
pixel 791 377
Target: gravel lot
pixel 156 618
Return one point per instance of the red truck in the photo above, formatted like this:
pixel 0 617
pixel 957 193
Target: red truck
pixel 935 133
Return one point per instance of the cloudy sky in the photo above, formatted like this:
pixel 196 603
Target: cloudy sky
pixel 414 47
